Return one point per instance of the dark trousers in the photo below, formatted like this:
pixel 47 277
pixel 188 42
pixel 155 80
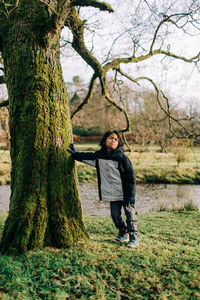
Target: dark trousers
pixel 130 226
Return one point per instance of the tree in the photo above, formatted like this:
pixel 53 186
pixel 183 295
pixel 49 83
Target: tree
pixel 148 30
pixel 45 208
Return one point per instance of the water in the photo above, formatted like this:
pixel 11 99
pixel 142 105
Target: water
pixel 149 197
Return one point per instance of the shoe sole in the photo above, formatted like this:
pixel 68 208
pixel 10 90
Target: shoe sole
pixel 133 246
pixel 124 241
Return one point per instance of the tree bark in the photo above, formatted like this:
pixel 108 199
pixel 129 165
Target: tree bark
pixel 45 208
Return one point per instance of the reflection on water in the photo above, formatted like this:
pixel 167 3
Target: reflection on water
pixel 149 197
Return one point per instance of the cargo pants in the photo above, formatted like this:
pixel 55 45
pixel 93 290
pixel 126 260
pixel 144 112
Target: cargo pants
pixel 130 226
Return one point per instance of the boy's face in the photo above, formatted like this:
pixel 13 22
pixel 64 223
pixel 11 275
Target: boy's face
pixel 112 142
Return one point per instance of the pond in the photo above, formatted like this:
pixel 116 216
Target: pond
pixel 149 197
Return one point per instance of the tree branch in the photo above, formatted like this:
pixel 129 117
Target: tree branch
pixel 109 99
pixel 87 98
pixel 112 101
pixel 52 8
pixel 165 110
pixel 126 75
pixel 76 25
pixel 166 19
pixel 116 62
pixel 97 4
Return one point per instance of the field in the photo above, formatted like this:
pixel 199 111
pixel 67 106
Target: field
pixel 166 265
pixel 177 165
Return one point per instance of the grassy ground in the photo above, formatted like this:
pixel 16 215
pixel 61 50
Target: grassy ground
pixel 177 165
pixel 166 265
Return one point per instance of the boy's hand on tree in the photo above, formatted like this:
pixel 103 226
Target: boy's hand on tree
pixel 72 149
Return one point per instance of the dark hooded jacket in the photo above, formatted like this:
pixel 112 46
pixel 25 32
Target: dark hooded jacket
pixel 116 177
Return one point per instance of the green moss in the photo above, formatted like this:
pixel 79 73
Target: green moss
pixel 45 205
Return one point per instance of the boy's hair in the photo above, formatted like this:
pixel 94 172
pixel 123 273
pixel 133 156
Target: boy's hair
pixel 106 135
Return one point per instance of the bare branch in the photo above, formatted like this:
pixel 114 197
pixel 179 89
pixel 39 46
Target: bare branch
pixel 168 53
pixel 87 98
pixel 52 8
pixel 108 98
pixel 165 110
pixel 119 36
pixel 97 4
pixel 116 62
pixel 76 25
pixel 112 101
pixel 166 19
pixel 126 142
pixel 127 76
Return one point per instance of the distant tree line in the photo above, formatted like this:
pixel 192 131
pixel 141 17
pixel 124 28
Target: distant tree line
pixel 148 122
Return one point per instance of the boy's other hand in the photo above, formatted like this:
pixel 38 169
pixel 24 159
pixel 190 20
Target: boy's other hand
pixel 129 200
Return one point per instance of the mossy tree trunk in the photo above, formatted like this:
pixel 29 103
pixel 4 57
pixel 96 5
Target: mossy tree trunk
pixel 45 208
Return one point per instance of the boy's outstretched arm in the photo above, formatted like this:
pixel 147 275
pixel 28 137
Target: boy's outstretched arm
pixel 85 157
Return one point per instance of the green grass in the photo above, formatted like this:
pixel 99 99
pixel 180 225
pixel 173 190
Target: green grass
pixel 178 165
pixel 166 265
pixel 188 206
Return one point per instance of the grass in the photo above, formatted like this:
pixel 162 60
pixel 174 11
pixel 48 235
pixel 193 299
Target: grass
pixel 188 206
pixel 164 266
pixel 179 165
